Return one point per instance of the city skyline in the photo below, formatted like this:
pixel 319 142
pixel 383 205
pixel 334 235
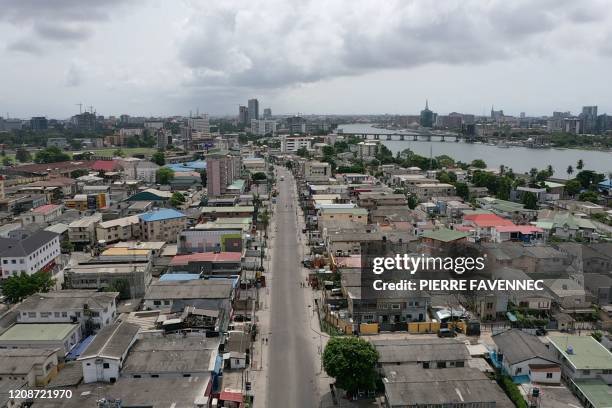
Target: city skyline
pixel 158 59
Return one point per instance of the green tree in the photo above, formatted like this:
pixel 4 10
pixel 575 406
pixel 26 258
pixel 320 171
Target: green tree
pixel 119 153
pixel 569 170
pixel 164 175
pixel 159 158
pixel 443 177
pixel 530 201
pixel 23 156
pixel 580 164
pixel 67 246
pixel 550 170
pixel 573 187
pixel 462 190
pixel 589 179
pixel 413 201
pixel 51 155
pixel 259 176
pixel 7 161
pixel 177 199
pixel 479 164
pixel 303 152
pixel 78 173
pixel 445 161
pixel 264 218
pixel 352 362
pixel 590 196
pixel 19 287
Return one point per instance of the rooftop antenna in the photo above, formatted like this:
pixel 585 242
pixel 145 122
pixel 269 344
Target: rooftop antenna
pixel 91 109
pixel 80 105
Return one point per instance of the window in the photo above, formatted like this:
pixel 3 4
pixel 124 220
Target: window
pixel 157 302
pixel 458 363
pixel 31 314
pixel 166 302
pixel 106 365
pixel 425 364
pixel 441 364
pixel 549 375
pixel 518 370
pixel 154 375
pixel 64 314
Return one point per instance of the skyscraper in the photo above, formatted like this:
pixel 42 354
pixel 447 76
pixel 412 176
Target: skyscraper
pixel 589 119
pixel 243 115
pixel 427 116
pixel 267 113
pixel 253 109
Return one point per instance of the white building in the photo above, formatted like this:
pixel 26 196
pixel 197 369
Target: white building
pixel 367 150
pixel 34 253
pixel 42 215
pixel 291 144
pixel 317 171
pixel 200 124
pixel 146 170
pixel 92 310
pixel 263 127
pixel 103 358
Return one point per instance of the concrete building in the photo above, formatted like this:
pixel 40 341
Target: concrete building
pixel 163 294
pixel 263 127
pixel 103 359
pixel 132 277
pixel 162 225
pixel 317 171
pixel 146 171
pixel 36 252
pixel 90 309
pixel 60 336
pixel 367 150
pixel 221 171
pixel 243 115
pixel 120 229
pixel 43 214
pixel 425 353
pixel 254 164
pixel 291 144
pixel 427 190
pixel 267 113
pixel 34 366
pixel 83 230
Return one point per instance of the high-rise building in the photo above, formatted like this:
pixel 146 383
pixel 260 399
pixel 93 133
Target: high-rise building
pixel 243 115
pixel 427 116
pixel 296 124
pixel 263 127
pixel 221 171
pixel 85 121
pixel 38 123
pixel 497 115
pixel 253 109
pixel 267 113
pixel 200 124
pixel 589 119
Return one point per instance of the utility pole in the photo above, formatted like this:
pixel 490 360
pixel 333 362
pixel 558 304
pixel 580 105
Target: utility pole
pixel 80 105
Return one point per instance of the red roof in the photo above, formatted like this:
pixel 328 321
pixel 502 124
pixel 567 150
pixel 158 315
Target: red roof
pixel 105 165
pixel 206 257
pixel 523 229
pixel 45 209
pixel 487 220
pixel 231 396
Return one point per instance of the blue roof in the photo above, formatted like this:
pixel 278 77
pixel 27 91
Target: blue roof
pixel 79 348
pixel 178 277
pixel 197 165
pixel 159 215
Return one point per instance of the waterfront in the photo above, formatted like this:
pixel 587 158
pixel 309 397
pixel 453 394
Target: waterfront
pixel 520 159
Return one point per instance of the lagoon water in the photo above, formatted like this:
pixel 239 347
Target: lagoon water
pixel 520 159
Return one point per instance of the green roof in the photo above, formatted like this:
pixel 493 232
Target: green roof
pixel 596 391
pixel 587 353
pixel 38 331
pixel 444 235
pixel 561 220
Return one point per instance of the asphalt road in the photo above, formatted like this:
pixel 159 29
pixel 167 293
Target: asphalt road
pixel 291 366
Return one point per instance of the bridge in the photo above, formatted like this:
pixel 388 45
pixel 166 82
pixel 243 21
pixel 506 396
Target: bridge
pixel 426 136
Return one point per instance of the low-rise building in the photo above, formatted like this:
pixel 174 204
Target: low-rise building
pixel 424 353
pixel 208 263
pixel 43 214
pixel 60 336
pixel 582 358
pixel 425 191
pixel 522 354
pixel 103 359
pixel 92 310
pixel 34 366
pixel 315 171
pixel 83 230
pixel 35 252
pixel 120 229
pixel 163 294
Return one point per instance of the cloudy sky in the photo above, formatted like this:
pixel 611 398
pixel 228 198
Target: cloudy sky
pixel 155 57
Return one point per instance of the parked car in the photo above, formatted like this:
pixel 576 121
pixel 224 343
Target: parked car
pixel 540 331
pixel 445 332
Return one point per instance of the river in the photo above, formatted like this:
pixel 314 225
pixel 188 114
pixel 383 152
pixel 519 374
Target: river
pixel 519 159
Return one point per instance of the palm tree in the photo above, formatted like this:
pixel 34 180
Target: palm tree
pixel 580 164
pixel 569 170
pixel 264 217
pixel 550 170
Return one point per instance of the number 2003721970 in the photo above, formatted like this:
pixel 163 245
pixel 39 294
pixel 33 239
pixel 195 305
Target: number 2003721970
pixel 43 394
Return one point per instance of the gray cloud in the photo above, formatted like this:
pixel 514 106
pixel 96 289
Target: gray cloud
pixel 61 21
pixel 281 42
pixel 25 46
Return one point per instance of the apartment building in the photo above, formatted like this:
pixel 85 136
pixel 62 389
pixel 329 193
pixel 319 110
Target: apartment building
pixel 83 230
pixel 120 229
pixel 162 225
pixel 36 252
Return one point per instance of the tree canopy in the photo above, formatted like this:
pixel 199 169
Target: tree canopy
pixel 51 155
pixel 18 287
pixel 159 158
pixel 164 175
pixel 177 199
pixel 352 362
